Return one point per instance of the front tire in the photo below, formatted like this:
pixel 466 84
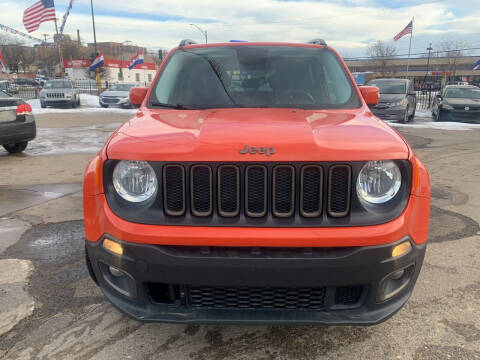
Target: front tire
pixel 16 148
pixel 405 118
pixel 43 105
pixel 412 117
pixel 104 106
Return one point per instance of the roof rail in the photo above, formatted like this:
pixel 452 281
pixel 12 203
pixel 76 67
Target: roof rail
pixel 317 42
pixel 186 42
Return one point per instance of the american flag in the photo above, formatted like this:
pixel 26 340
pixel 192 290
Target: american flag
pixel 43 10
pixel 407 30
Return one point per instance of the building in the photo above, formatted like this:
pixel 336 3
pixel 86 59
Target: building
pixel 116 49
pixel 436 70
pixel 114 71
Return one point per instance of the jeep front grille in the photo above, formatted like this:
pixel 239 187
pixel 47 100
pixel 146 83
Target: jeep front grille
pixel 255 190
pixel 256 194
pixel 55 95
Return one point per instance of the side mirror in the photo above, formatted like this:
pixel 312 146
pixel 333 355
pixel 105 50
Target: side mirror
pixel 370 94
pixel 137 95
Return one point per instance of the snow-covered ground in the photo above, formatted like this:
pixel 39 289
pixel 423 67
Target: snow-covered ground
pixel 88 104
pixel 423 120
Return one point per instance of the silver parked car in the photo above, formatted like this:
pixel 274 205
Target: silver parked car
pixel 118 94
pixel 397 99
pixel 59 92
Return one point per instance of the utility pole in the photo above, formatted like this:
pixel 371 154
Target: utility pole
pixel 78 39
pixel 428 63
pixel 97 72
pixel 60 53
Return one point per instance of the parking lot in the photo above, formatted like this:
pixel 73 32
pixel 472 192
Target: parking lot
pixel 51 309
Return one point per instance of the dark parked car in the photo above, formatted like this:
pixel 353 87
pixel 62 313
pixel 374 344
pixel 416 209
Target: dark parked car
pixel 397 99
pixel 17 124
pixel 457 103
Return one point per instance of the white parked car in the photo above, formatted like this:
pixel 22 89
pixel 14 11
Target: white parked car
pixel 59 92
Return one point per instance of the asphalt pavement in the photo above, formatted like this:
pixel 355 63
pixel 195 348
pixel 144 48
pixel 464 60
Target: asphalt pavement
pixel 50 309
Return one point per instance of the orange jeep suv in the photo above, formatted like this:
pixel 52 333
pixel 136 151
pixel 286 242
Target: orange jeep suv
pixel 254 185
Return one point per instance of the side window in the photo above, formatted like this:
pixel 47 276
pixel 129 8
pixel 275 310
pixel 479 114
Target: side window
pixel 137 77
pixel 149 77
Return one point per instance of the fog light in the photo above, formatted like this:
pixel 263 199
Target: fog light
pixel 401 249
pixel 113 246
pixel 115 272
pixel 397 274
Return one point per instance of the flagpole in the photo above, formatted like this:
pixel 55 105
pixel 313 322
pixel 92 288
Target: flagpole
pixel 409 49
pixel 97 70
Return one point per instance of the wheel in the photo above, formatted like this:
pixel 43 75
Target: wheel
pixel 42 105
pixel 104 106
pixel 74 104
pixel 404 120
pixel 411 117
pixel 16 148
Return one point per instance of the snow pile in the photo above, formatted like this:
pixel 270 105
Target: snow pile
pixel 88 104
pixel 437 125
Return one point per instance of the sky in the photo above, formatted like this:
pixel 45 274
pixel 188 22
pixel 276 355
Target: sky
pixel 347 25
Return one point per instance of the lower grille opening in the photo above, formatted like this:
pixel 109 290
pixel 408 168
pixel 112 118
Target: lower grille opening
pixel 164 293
pixel 256 297
pixel 275 298
pixel 348 295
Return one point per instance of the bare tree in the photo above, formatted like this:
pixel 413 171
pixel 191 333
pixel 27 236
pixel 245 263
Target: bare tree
pixel 382 55
pixel 452 49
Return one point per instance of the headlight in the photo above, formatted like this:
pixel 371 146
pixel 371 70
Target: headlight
pixel 134 181
pixel 378 181
pixel 447 106
pixel 402 102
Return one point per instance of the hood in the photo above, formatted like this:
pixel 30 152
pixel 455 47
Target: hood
pixel 390 98
pixel 462 102
pixel 115 93
pixel 219 135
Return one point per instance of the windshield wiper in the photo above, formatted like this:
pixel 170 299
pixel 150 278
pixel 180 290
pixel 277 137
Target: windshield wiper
pixel 173 106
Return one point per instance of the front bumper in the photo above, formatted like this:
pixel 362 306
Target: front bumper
pixel 472 116
pixel 389 113
pixel 114 101
pixel 176 283
pixel 18 131
pixel 60 101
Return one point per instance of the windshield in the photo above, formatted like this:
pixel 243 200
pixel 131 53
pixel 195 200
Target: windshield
pixel 254 76
pixel 121 87
pixel 57 85
pixel 462 93
pixel 388 87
